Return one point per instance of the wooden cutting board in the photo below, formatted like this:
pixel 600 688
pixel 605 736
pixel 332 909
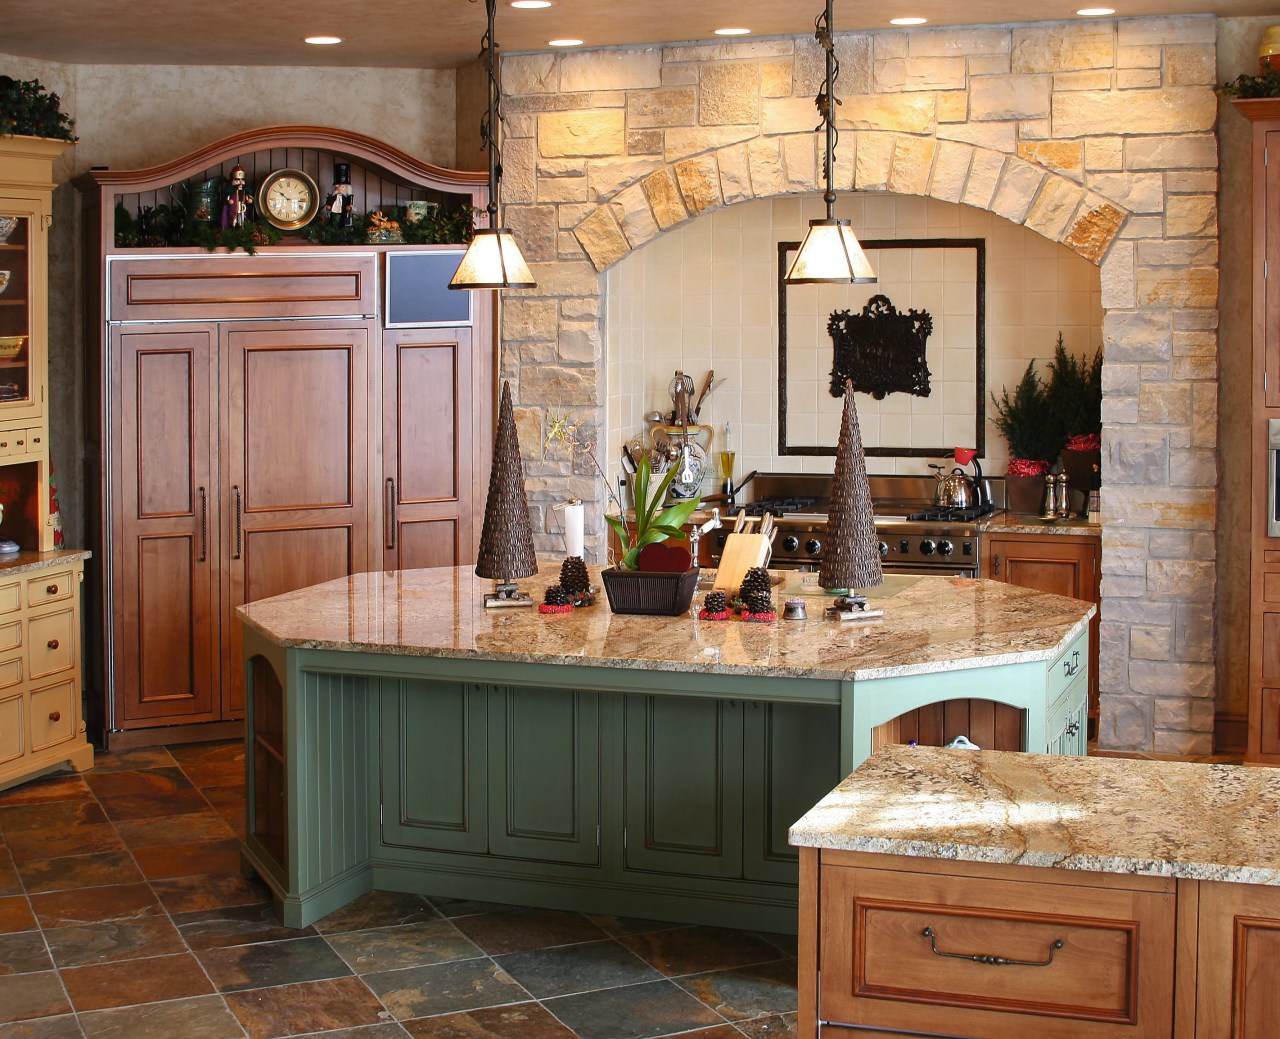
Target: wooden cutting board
pixel 744 549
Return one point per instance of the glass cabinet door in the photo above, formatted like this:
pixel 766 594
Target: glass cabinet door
pixel 18 301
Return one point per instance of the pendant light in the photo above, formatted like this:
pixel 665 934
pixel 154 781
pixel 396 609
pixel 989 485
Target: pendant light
pixel 830 252
pixel 493 259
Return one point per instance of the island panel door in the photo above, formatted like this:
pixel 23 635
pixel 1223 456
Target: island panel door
pixel 1238 988
pixel 544 774
pixel 296 477
pixel 434 779
pixel 792 755
pixel 683 785
pixel 165 526
pixel 428 465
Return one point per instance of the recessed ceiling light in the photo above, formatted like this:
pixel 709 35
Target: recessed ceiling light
pixel 908 21
pixel 564 43
pixel 1095 12
pixel 532 3
pixel 733 32
pixel 323 41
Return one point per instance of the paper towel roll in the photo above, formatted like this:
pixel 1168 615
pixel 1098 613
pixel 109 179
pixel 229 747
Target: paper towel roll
pixel 574 522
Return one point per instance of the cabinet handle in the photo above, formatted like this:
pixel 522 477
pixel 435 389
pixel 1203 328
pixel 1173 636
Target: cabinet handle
pixel 1073 727
pixel 990 961
pixel 55 716
pixel 995 565
pixel 1073 665
pixel 235 489
pixel 51 589
pixel 391 513
pixel 52 643
pixel 35 440
pixel 204 525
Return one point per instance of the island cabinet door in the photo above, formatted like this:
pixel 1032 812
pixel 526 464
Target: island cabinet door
pixel 1238 982
pixel 544 775
pixel 434 777
pixel 791 761
pixel 683 786
pixel 991 958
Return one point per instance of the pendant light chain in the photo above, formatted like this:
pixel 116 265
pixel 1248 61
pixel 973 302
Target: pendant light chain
pixel 825 100
pixel 491 118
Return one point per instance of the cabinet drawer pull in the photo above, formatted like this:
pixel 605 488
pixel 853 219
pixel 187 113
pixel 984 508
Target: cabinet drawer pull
pixel 55 716
pixel 990 961
pixel 52 643
pixel 391 514
pixel 235 490
pixel 51 589
pixel 1073 665
pixel 996 565
pixel 204 525
pixel 1073 727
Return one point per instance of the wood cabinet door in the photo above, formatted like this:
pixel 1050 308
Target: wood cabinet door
pixel 434 776
pixel 429 493
pixel 544 775
pixel 792 760
pixel 295 483
pixel 165 526
pixel 683 785
pixel 1238 982
pixel 1063 564
pixel 1268 327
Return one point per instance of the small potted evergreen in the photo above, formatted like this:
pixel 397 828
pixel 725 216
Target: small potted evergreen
pixel 1033 441
pixel 1075 408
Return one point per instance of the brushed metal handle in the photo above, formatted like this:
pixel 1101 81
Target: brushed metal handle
pixel 1073 665
pixel 391 513
pixel 987 959
pixel 51 589
pixel 52 643
pixel 204 525
pixel 55 716
pixel 235 489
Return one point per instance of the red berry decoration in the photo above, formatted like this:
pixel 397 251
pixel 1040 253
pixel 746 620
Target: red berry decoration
pixel 555 600
pixel 760 608
pixel 715 607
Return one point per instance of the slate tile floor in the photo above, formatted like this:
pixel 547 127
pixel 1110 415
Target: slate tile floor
pixel 123 915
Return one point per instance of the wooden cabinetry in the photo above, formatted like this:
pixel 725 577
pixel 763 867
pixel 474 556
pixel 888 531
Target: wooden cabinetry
pixel 1264 592
pixel 921 947
pixel 1064 564
pixel 256 428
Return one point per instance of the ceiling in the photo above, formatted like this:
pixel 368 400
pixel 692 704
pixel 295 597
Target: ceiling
pixel 446 33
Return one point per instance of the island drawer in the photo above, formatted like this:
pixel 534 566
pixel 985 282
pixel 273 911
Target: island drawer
pixel 1072 661
pixel 982 957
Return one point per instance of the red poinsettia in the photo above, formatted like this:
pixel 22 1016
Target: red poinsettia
pixel 1026 467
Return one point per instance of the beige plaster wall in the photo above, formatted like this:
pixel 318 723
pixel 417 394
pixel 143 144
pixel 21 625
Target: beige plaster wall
pixel 1097 135
pixel 1238 40
pixel 131 116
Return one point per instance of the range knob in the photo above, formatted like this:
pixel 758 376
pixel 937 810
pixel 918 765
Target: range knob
pixel 790 543
pixel 946 548
pixel 927 547
pixel 813 546
pixel 884 549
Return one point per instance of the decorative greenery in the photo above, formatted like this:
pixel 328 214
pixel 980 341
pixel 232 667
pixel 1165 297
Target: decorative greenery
pixel 322 232
pixel 1074 393
pixel 249 237
pixel 442 225
pixel 1267 84
pixel 652 525
pixel 1021 419
pixel 26 108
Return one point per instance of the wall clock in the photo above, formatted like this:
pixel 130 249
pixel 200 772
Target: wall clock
pixel 288 198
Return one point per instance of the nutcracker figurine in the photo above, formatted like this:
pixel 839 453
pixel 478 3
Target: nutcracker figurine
pixel 339 202
pixel 237 206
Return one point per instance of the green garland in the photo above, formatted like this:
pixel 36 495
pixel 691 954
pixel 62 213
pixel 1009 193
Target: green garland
pixel 27 109
pixel 1267 84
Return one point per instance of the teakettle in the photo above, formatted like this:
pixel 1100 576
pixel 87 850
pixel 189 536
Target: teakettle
pixel 960 490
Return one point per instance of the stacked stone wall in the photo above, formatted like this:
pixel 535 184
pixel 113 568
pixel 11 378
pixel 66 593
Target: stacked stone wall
pixel 1099 135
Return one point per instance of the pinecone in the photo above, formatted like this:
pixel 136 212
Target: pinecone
pixel 756 580
pixel 715 602
pixel 556 596
pixel 760 602
pixel 573 577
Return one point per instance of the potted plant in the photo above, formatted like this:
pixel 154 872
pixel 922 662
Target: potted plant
pixel 664 592
pixel 28 110
pixel 1033 441
pixel 1075 408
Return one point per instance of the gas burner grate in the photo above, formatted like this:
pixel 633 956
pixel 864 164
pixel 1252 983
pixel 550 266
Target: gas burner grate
pixel 947 514
pixel 783 506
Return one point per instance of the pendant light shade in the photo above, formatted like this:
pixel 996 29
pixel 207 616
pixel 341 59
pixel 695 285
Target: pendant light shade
pixel 830 252
pixel 493 261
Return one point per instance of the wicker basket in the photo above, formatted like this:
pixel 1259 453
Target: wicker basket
pixel 656 594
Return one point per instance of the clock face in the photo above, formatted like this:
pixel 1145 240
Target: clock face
pixel 288 199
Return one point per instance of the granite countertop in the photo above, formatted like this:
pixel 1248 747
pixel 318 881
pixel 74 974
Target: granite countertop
pixel 931 624
pixel 1018 523
pixel 25 561
pixel 1102 815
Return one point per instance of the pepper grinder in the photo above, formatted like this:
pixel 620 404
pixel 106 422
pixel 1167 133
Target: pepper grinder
pixel 1064 497
pixel 1049 510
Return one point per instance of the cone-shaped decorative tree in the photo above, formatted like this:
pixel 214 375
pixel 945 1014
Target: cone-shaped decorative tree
pixel 851 549
pixel 506 541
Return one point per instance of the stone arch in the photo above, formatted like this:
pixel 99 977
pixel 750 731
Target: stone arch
pixel 1035 196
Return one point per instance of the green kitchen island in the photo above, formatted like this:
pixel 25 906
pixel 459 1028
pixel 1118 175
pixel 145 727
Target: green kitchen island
pixel 402 737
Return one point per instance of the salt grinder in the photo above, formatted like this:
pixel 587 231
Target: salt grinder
pixel 1064 497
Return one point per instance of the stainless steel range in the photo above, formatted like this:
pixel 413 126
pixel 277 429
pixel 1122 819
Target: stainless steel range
pixel 915 536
